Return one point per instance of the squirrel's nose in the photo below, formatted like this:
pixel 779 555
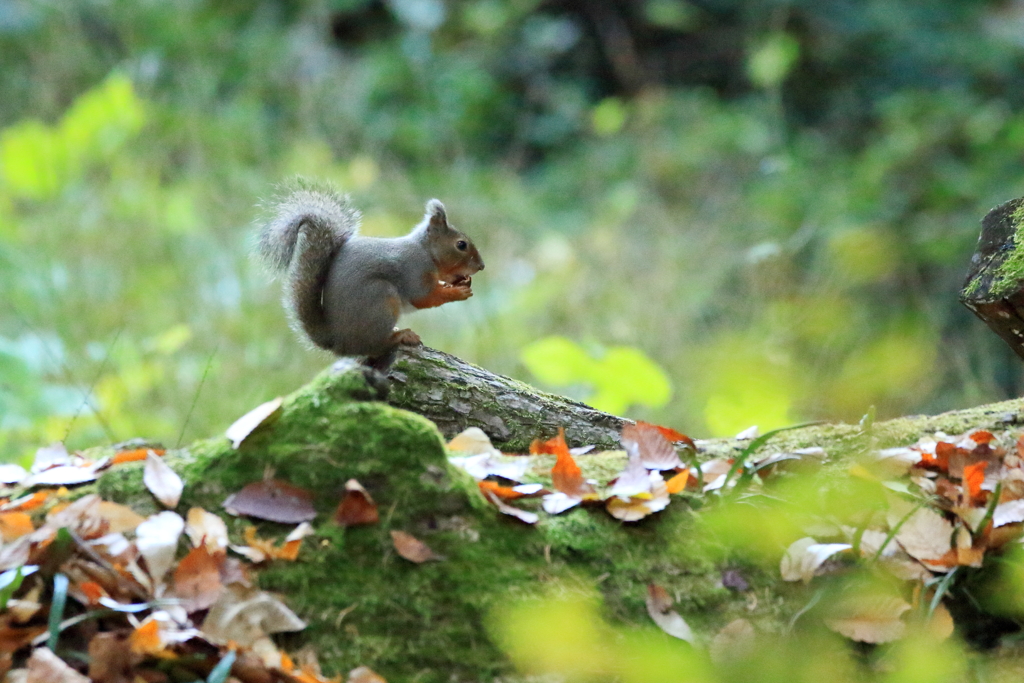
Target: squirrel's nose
pixel 481 265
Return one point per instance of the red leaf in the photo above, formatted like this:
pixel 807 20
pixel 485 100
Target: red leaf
pixel 981 437
pixel 357 507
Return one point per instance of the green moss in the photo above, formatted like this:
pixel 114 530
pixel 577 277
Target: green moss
pixel 1011 271
pixel 366 605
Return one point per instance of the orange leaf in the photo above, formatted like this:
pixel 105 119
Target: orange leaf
pixel 670 434
pixel 553 446
pixel 92 591
pixel 981 437
pixel 567 476
pixel 146 638
pixel 289 551
pixel 678 482
pixel 133 455
pixel 974 475
pixel 940 460
pixel 14 525
pixel 30 502
pixel 505 492
pixel 412 548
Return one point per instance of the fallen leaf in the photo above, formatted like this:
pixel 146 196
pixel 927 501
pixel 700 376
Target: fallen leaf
pixel 677 483
pixel 1010 512
pixel 714 473
pixel 273 500
pixel 974 475
pixel 637 507
pixel 803 557
pixel 925 535
pixel 503 492
pixel 50 456
pixel 648 443
pixel 869 619
pixel 671 434
pixel 14 525
pixel 940 626
pixel 558 502
pixel 751 432
pixel 157 540
pixel 357 507
pixel 45 667
pixel 632 481
pixel 486 464
pixel 162 481
pixel 659 606
pixel 197 580
pixel 553 446
pixel 244 615
pixel 241 428
pixel 145 639
pixel 472 441
pixel 134 455
pixel 29 502
pixel 566 475
pixel 63 475
pixel 522 515
pixel 411 548
pixel 293 541
pixel 120 518
pixel 12 474
pixel 111 659
pixel 206 528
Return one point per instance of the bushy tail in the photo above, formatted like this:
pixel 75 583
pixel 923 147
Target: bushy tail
pixel 305 230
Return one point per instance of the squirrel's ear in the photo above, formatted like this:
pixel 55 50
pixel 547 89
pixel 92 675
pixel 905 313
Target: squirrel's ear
pixel 436 215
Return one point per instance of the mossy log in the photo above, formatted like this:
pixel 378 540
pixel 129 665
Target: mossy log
pixel 994 289
pixel 429 622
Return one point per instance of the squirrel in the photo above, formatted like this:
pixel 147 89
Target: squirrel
pixel 344 291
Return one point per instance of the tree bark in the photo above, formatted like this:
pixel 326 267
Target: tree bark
pixel 994 289
pixel 455 395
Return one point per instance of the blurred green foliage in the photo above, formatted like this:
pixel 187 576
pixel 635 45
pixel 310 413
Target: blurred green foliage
pixel 774 202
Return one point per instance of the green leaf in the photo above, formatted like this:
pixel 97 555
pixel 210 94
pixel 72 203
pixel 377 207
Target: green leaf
pixel 223 668
pixel 60 598
pixel 10 582
pixel 772 61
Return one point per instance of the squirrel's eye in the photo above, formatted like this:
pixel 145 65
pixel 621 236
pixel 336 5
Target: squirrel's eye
pixel 461 245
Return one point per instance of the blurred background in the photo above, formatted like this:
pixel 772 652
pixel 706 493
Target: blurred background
pixel 706 213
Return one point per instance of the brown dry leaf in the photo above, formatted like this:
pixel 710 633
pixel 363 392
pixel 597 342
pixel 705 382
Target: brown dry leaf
pixel 244 615
pixel 734 641
pixel 111 659
pixel 120 518
pixel 197 579
pixel 512 511
pixel 870 619
pixel 45 667
pixel 13 638
pixel 162 481
pixel 15 525
pixel 940 626
pixel 647 442
pixel 207 529
pixel 412 549
pixel 925 535
pixel 357 507
pixel 273 500
pixel 659 606
pixel 240 430
pixel 472 441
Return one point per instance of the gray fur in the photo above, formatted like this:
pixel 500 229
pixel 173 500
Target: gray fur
pixel 303 235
